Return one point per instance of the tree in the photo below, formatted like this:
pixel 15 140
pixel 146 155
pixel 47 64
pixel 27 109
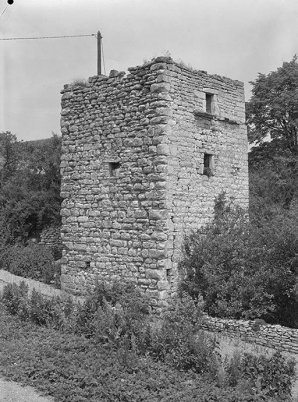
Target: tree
pixel 272 119
pixel 273 108
pixel 273 180
pixel 30 193
pixel 8 155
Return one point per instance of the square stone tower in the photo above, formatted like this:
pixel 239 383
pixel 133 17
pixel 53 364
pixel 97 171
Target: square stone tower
pixel 143 158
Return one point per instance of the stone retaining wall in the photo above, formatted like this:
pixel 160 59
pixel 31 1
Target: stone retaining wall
pixel 270 336
pixel 46 290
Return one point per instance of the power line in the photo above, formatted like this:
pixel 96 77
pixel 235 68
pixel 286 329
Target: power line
pixel 4 10
pixel 48 37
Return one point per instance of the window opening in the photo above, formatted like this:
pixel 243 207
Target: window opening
pixel 114 167
pixel 209 103
pixel 87 264
pixel 208 165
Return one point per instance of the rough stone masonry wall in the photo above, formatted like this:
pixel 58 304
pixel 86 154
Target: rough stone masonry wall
pixel 132 170
pixel 271 336
pixel 193 131
pixel 113 181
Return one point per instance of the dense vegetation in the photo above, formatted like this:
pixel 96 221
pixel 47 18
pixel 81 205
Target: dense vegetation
pixel 244 269
pixel 29 187
pixel 248 268
pixel 106 350
pixel 29 201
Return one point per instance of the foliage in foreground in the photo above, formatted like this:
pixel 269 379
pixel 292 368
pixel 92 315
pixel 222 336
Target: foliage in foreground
pixel 116 356
pixel 244 270
pixel 74 369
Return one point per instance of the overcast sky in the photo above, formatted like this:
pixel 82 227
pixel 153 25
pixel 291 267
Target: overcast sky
pixel 234 38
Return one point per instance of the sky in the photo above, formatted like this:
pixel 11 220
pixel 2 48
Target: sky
pixel 234 38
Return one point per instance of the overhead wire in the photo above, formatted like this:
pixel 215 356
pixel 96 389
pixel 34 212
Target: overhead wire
pixel 4 11
pixel 56 37
pixel 48 37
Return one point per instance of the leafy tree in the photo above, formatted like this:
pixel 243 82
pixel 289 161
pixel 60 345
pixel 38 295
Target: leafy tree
pixel 273 178
pixel 30 193
pixel 8 156
pixel 273 108
pixel 272 118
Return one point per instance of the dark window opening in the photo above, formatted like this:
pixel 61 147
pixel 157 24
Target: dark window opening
pixel 168 272
pixel 87 264
pixel 208 165
pixel 209 103
pixel 114 167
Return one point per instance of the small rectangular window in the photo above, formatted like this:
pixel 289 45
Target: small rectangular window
pixel 87 264
pixel 209 103
pixel 208 165
pixel 113 168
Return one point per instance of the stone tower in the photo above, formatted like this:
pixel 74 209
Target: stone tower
pixel 143 158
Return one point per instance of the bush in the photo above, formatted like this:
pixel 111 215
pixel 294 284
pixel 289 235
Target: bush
pixel 243 270
pixel 42 309
pixel 267 377
pixel 179 340
pixel 114 313
pixel 16 300
pixel 34 262
pixel 117 314
pixel 53 312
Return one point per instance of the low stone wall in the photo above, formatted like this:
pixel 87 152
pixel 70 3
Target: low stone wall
pixel 272 336
pixel 45 290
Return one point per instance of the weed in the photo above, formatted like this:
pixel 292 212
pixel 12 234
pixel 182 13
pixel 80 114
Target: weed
pixel 79 82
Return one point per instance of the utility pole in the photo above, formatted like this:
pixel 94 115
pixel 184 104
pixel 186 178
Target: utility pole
pixel 99 38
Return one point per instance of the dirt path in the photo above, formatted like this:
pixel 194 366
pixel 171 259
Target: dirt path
pixel 13 392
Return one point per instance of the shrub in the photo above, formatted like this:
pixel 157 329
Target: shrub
pixel 15 299
pixel 53 312
pixel 115 312
pixel 267 377
pixel 179 340
pixel 34 262
pixel 41 309
pixel 243 270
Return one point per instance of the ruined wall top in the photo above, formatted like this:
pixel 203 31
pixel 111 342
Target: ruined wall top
pixel 202 83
